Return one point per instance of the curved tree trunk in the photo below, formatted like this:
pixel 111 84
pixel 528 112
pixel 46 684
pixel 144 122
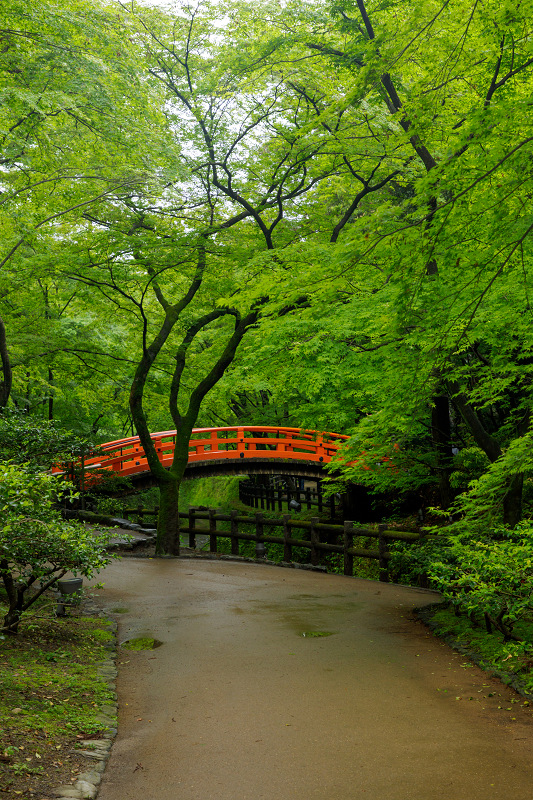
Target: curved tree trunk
pixel 168 521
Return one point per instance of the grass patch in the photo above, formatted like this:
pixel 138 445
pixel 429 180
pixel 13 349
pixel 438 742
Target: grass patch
pixel 511 660
pixel 50 698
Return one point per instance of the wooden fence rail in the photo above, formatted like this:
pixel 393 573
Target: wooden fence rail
pixel 258 522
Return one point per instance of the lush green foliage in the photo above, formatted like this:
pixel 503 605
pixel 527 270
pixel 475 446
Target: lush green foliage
pixel 334 196
pixel 486 575
pixel 36 546
pixel 490 578
pixel 28 439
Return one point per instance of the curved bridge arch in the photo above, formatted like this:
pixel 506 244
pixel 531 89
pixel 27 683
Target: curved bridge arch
pixel 235 449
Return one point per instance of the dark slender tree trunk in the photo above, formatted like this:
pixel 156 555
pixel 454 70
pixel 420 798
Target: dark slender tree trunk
pixel 15 600
pixel 51 394
pixel 512 502
pixel 441 430
pixel 7 375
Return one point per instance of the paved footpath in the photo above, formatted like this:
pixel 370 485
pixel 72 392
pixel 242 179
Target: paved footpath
pixel 237 705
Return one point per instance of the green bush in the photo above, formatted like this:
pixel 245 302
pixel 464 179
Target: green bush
pixel 490 577
pixel 36 546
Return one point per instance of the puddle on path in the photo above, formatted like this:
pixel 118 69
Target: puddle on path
pixel 141 643
pixel 307 615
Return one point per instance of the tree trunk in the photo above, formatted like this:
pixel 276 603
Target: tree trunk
pixel 168 521
pixel 441 433
pixel 7 375
pixel 15 600
pixel 11 621
pixel 512 502
pixel 51 394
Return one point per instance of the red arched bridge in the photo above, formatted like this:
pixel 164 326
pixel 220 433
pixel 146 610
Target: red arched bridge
pixel 238 449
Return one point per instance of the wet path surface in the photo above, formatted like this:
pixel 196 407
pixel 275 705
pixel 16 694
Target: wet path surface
pixel 238 705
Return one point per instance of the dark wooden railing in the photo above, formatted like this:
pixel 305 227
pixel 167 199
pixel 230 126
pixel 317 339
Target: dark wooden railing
pixel 342 536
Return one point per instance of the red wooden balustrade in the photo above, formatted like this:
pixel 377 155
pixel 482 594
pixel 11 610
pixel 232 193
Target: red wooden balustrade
pixel 127 457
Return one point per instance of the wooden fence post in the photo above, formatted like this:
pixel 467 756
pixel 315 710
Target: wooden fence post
pixel 332 506
pixel 383 560
pixel 234 530
pixel 319 496
pixel 212 531
pixel 315 540
pixel 192 526
pixel 82 480
pixel 280 499
pixel 260 549
pixel 347 545
pixel 308 498
pixel 287 547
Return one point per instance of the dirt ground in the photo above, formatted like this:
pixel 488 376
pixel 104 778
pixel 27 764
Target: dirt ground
pixel 237 704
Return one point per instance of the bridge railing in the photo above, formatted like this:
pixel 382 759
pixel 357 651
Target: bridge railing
pixel 127 456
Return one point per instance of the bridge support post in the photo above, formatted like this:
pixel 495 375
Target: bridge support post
pixel 347 546
pixel 234 530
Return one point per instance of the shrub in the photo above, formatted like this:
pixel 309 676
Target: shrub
pixel 36 546
pixel 489 577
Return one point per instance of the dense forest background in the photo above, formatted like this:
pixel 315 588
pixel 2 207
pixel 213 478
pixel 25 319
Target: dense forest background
pixel 310 213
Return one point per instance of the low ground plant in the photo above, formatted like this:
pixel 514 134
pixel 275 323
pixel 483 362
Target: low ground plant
pixel 50 699
pixel 513 660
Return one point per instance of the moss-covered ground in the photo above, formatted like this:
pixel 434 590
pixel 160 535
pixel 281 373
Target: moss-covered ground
pixel 50 697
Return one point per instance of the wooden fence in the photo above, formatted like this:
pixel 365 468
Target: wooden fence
pixel 342 536
pixel 273 499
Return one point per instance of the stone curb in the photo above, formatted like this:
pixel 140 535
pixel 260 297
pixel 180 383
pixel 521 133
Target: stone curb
pixel 96 751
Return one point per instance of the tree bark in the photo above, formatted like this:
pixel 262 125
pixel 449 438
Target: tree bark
pixel 483 439
pixel 441 433
pixel 168 521
pixel 512 501
pixel 7 381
